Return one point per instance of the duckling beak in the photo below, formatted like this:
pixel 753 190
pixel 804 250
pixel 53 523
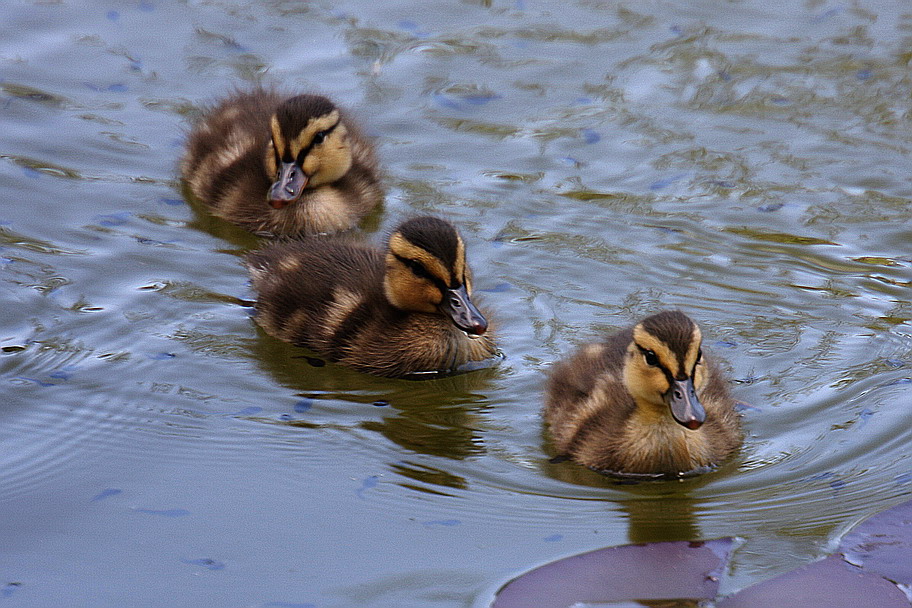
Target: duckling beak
pixel 288 187
pixel 458 306
pixel 685 406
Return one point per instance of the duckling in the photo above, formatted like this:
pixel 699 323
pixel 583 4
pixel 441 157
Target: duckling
pixel 281 165
pixel 401 312
pixel 646 401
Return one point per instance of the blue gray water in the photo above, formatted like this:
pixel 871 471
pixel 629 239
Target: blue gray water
pixel 748 162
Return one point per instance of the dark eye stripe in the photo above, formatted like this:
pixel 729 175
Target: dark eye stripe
pixel 421 272
pixel 659 365
pixel 315 140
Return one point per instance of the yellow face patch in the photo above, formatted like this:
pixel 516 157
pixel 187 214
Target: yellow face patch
pixel 667 358
pixel 647 383
pixel 406 291
pixel 693 351
pixel 459 267
pixel 409 291
pixel 404 249
pixel 320 123
pixel 325 162
pixel 278 141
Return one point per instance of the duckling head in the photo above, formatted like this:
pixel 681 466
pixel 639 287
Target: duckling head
pixel 309 148
pixel 426 271
pixel 664 367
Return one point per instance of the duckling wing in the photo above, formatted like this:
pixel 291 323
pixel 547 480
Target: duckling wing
pixel 308 289
pixel 584 386
pixel 225 148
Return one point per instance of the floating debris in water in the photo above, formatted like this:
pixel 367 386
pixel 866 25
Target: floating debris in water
pixel 165 512
pixel 369 483
pixel 110 220
pixel 448 523
pixel 590 136
pixel 769 208
pixel 837 485
pixel 248 411
pixel 206 562
pixel 9 589
pixel 666 181
pixel 106 493
pixel 35 381
pixel 412 28
pixel 499 288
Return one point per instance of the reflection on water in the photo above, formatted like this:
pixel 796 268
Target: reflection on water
pixel 435 417
pixel 603 161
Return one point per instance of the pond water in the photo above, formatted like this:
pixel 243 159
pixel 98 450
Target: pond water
pixel 746 161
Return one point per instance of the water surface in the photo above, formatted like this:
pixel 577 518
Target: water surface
pixel 746 161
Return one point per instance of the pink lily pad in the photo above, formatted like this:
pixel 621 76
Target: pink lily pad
pixel 883 544
pixel 829 583
pixel 617 576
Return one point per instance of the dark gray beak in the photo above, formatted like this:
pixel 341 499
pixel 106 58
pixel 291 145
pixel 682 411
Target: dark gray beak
pixel 458 306
pixel 288 187
pixel 685 406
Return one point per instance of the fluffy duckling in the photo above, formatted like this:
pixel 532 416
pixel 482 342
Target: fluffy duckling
pixel 404 311
pixel 281 165
pixel 646 401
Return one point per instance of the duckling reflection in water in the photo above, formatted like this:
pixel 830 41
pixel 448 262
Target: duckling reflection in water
pixel 396 313
pixel 646 401
pixel 282 165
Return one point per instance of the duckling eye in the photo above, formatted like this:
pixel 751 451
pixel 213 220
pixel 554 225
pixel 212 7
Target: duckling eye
pixel 319 137
pixel 651 358
pixel 418 269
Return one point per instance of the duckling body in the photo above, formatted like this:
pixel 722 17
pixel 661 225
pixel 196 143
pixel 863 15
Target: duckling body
pixel 392 313
pixel 644 401
pixel 282 165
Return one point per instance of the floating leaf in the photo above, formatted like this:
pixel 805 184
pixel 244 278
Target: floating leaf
pixel 830 582
pixel 882 544
pixel 657 571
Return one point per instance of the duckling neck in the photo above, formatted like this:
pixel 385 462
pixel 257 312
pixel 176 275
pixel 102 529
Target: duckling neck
pixel 657 440
pixel 455 348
